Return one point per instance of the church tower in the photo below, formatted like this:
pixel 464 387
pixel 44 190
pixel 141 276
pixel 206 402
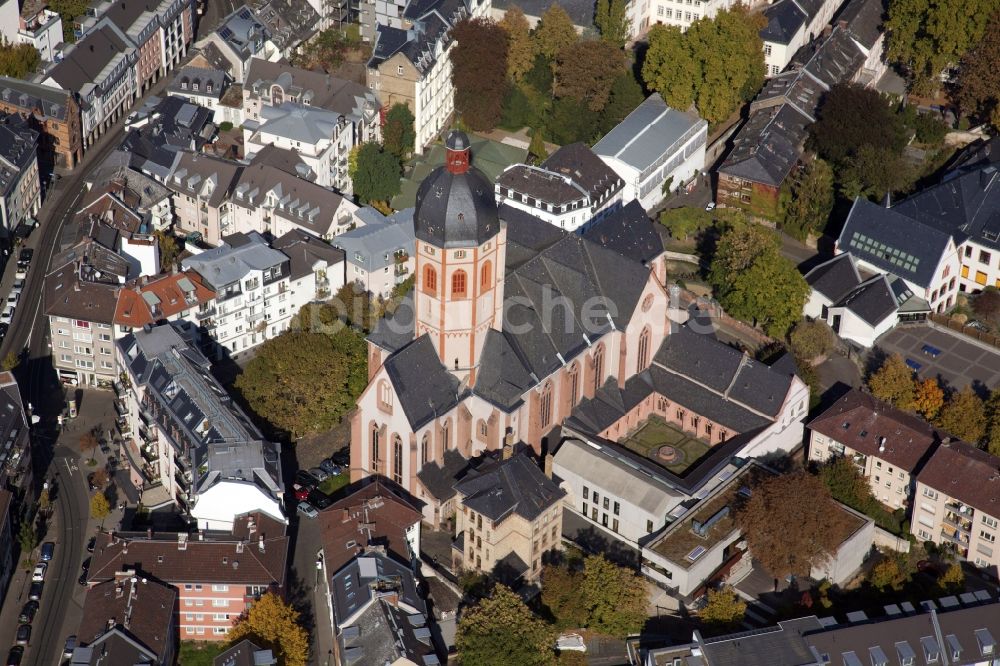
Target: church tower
pixel 460 253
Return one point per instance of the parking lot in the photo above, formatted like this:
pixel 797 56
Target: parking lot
pixel 954 359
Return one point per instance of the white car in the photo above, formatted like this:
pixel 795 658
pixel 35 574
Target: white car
pixel 711 206
pixel 21 273
pixel 39 573
pixel 12 298
pixel 7 315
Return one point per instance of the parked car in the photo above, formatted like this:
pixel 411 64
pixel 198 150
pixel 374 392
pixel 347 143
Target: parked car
pixel 35 591
pixel 7 316
pixel 330 467
pixel 23 634
pixel 25 256
pixel 710 207
pixel 320 475
pixel 91 544
pixel 15 656
pixel 301 492
pixel 69 647
pixel 12 298
pixel 27 615
pixel 22 272
pixel 318 499
pixel 39 573
pixel 48 550
pixel 304 478
pixel 342 457
pixel 307 510
pixel 4 327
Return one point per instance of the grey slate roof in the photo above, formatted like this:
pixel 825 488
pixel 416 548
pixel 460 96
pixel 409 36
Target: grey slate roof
pixel 172 125
pixel 300 201
pixel 308 87
pixel 455 209
pixel 298 122
pixel 18 149
pixel 216 432
pixel 289 22
pixel 304 250
pixel 193 172
pixel 864 19
pixel 628 231
pixel 353 586
pixel 228 263
pixel 432 21
pixel 383 634
pixel 245 653
pixel 768 146
pixel 835 278
pixel 775 646
pixel 373 245
pixel 243 32
pixel 873 300
pixel 580 163
pixel 893 241
pixel 651 131
pixel 513 486
pixel 203 78
pixel 440 480
pixel 393 331
pixel 85 62
pixel 51 102
pixel 784 20
pixel 425 388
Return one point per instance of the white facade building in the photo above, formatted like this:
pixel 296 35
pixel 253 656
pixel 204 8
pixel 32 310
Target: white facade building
pixel 643 14
pixel 43 30
pixel 653 147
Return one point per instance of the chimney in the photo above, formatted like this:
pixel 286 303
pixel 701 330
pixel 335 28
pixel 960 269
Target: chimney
pixel 548 464
pixel 260 543
pixel 149 532
pixel 182 541
pixel 347 516
pixel 239 547
pixel 508 444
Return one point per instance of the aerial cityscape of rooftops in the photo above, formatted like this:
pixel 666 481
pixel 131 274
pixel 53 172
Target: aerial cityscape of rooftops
pixel 499 332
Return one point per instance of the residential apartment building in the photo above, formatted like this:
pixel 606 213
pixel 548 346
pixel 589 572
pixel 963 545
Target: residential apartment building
pixel 20 185
pixel 54 113
pixel 681 13
pixel 570 189
pixel 7 557
pixel 253 300
pixel 791 24
pixel 378 614
pixel 653 148
pixel 291 23
pixel 767 149
pixel 16 471
pixel 317 270
pixel 40 27
pixel 889 446
pixel 199 450
pixel 127 619
pixel 321 139
pixel 956 503
pixel 379 253
pixel 508 515
pixel 240 37
pixel 205 87
pixel 216 574
pixel 201 185
pixel 411 65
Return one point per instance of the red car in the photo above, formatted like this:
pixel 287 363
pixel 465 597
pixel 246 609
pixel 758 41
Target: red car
pixel 304 482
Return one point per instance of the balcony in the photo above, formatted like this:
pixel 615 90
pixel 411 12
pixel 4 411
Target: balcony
pixel 123 427
pixel 957 521
pixel 150 453
pixel 120 408
pixel 201 315
pixel 255 317
pixel 954 536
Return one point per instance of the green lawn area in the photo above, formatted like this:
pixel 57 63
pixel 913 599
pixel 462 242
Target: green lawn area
pixel 655 433
pixel 199 653
pixel 335 483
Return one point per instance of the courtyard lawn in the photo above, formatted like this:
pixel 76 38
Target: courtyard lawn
pixel 199 653
pixel 335 483
pixel 655 433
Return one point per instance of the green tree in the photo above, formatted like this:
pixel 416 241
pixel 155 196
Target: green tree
pixel 398 134
pixel 18 60
pixel 99 507
pixel 570 121
pixel 562 595
pixel 376 177
pixel 27 537
pixel 479 72
pixel 626 95
pixel 273 623
pixel 169 248
pixel 807 200
pixel 753 282
pixel 586 71
pixel 304 382
pixel 888 574
pixel 520 48
pixel 851 117
pixel 555 32
pixel 893 382
pixel 500 630
pixel 846 483
pixel 927 37
pixel 798 499
pixel 670 66
pixel 612 21
pixel 716 64
pixel 810 339
pixel 724 608
pixel 964 415
pixel 68 10
pixel 686 222
pixel 10 361
pixel 993 421
pixel 873 172
pixel 615 597
pixel 537 146
pixel 952 581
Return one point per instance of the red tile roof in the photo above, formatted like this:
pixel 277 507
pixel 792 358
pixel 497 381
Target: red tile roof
pixel 965 473
pixel 248 556
pixel 371 515
pixel 133 310
pixel 140 607
pixel 866 424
